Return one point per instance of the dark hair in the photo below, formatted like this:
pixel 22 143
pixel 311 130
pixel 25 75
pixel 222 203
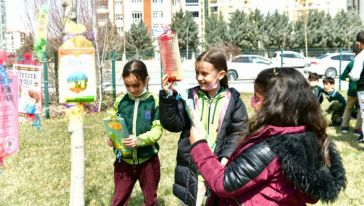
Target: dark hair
pixel 329 80
pixel 289 101
pixel 313 76
pixel 137 68
pixel 356 49
pixel 217 58
pixel 360 37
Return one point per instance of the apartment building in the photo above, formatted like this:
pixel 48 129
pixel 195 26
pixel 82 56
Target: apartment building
pixel 157 13
pixel 296 8
pixel 13 40
pixel 102 12
pixel 116 9
pixel 357 6
pixel 154 13
pixel 2 24
pixel 230 6
pixel 198 9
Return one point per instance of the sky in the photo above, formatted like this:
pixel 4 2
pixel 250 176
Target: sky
pixel 266 6
pixel 13 12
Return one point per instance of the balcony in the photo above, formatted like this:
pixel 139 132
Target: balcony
pixel 102 9
pixel 192 2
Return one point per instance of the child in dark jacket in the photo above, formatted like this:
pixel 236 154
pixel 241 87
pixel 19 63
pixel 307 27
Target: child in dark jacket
pixel 337 103
pixel 140 110
pixel 313 80
pixel 222 113
pixel 286 159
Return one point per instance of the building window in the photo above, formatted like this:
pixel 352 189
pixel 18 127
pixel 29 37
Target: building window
pixel 118 17
pixel 191 2
pixel 119 29
pixel 118 2
pixel 102 17
pixel 195 13
pixel 157 1
pixel 137 17
pixel 157 14
pixel 157 27
pixel 136 1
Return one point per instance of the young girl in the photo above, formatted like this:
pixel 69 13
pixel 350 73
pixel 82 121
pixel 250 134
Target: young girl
pixel 222 113
pixel 140 110
pixel 286 159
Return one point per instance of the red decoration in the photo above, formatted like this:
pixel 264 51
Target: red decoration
pixel 28 59
pixel 3 57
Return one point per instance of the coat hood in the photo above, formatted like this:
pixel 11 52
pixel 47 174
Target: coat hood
pixel 303 165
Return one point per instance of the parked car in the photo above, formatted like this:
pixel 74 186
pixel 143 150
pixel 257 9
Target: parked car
pixel 290 59
pixel 247 66
pixel 328 65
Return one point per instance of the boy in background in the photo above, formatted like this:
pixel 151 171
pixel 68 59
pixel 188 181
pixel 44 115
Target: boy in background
pixel 337 103
pixel 352 99
pixel 357 75
pixel 313 80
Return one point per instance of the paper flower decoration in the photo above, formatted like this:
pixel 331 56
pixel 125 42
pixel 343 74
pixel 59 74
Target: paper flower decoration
pixel 73 28
pixel 39 47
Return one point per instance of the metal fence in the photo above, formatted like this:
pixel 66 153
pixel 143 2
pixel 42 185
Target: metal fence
pixel 109 76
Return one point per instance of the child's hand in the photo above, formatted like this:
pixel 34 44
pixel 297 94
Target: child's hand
pixel 131 141
pixel 109 142
pixel 167 85
pixel 195 135
pixel 223 161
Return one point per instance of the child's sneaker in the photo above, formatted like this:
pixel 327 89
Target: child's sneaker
pixel 360 139
pixel 344 130
pixel 357 132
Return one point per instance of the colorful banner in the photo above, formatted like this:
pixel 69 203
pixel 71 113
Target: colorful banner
pixel 30 88
pixel 9 127
pixel 77 75
pixel 41 31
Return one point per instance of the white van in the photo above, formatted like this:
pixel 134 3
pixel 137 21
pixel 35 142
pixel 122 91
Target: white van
pixel 290 59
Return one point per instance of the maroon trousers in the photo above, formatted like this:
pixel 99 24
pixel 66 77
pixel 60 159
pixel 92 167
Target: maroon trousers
pixel 125 176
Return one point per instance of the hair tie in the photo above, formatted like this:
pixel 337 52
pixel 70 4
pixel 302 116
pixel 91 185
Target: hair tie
pixel 275 72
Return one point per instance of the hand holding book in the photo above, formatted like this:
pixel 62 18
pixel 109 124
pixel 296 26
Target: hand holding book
pixel 118 132
pixel 131 141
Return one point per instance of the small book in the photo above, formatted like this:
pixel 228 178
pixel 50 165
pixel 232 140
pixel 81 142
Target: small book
pixel 117 131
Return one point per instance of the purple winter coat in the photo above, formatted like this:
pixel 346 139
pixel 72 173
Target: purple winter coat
pixel 274 166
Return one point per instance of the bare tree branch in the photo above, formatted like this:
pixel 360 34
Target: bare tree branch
pixel 104 44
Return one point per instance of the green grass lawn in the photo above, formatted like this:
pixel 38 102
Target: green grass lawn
pixel 39 174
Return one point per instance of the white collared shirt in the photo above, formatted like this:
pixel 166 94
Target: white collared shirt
pixel 357 67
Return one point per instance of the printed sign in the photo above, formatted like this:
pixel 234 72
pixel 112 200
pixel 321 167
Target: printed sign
pixel 30 88
pixel 9 128
pixel 77 75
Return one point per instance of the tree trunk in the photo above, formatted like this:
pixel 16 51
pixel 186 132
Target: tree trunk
pixel 76 128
